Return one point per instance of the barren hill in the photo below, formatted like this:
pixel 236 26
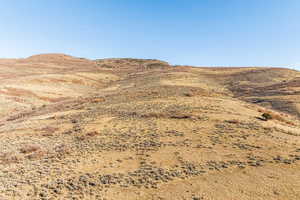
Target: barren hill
pixel 73 128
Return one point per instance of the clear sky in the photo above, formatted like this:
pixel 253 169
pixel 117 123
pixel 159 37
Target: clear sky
pixel 193 32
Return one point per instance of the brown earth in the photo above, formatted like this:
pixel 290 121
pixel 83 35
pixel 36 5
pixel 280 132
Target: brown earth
pixel 73 128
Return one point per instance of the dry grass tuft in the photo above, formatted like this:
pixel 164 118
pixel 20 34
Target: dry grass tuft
pixel 36 155
pixel 167 115
pixel 232 121
pixel 29 149
pixel 62 149
pixel 97 100
pixel 154 115
pixel 87 135
pixel 48 131
pixel 8 158
pixel 93 133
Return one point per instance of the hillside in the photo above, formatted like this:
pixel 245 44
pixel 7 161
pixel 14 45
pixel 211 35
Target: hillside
pixel 73 128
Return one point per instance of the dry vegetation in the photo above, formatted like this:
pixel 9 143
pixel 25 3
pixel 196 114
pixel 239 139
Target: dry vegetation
pixel 72 128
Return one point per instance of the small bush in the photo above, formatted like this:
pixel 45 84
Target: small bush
pixel 267 116
pixel 188 94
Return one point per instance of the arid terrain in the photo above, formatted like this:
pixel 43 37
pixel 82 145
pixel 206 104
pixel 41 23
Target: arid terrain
pixel 136 129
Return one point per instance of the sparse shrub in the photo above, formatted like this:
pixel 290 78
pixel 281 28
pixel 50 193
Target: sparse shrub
pixel 48 131
pixel 8 158
pixel 267 116
pixel 290 123
pixel 62 149
pixel 80 138
pixel 232 121
pixel 188 94
pixel 105 65
pixel 86 136
pixel 36 155
pixel 74 121
pixel 29 149
pixel 154 115
pixel 180 116
pixel 167 115
pixel 154 65
pixel 93 133
pixel 97 100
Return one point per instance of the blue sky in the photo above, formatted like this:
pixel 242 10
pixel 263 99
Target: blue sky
pixel 193 32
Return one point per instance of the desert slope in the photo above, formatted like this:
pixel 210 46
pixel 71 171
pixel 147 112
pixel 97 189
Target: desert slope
pixel 73 128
